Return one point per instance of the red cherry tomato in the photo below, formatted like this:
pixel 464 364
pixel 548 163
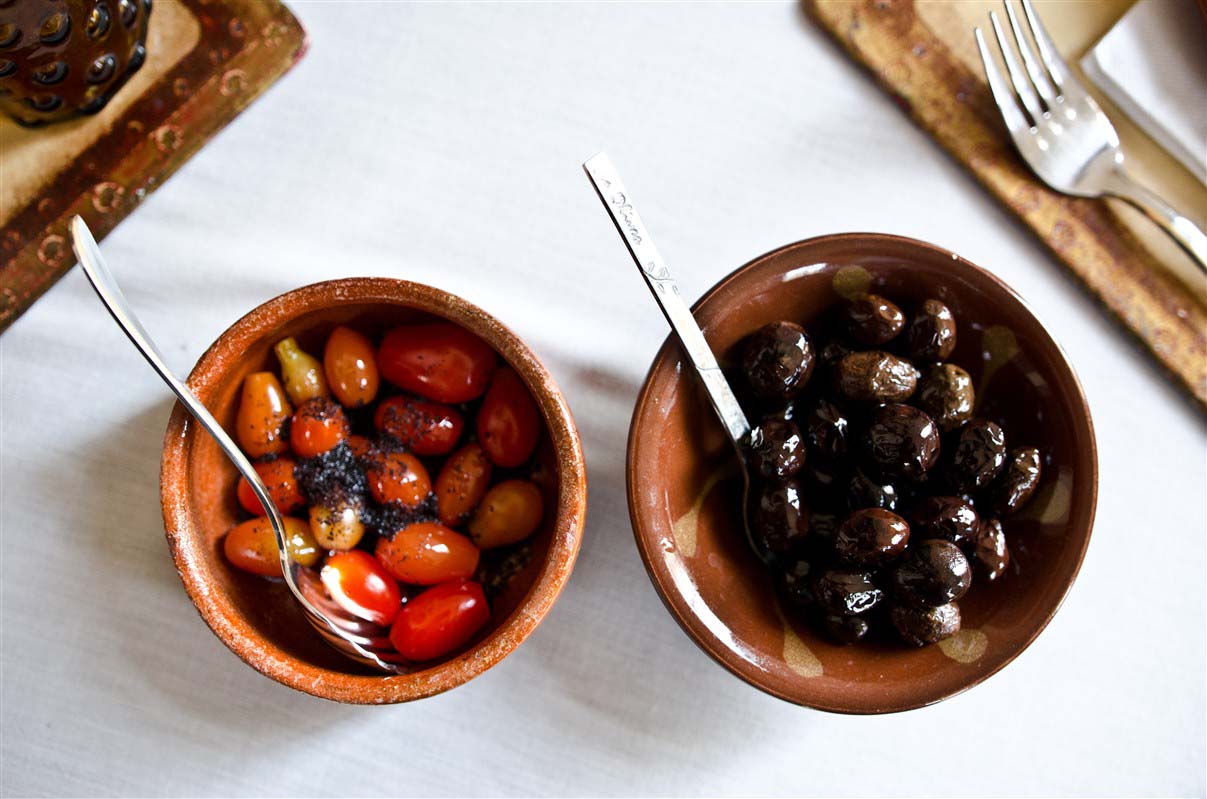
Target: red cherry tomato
pixel 461 484
pixel 361 586
pixel 318 426
pixel 440 361
pixel 425 428
pixel 398 477
pixel 508 421
pixel 360 446
pixel 282 487
pixel 426 553
pixel 440 620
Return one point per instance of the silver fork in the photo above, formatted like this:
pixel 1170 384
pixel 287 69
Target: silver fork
pixel 360 640
pixel 1062 133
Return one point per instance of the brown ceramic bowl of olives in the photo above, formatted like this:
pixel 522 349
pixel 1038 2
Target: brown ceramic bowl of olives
pixel 923 476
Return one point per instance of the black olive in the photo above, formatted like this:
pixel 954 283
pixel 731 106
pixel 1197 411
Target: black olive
pixel 846 592
pixel 931 572
pixel 876 377
pixel 845 630
pixel 945 392
pixel 864 492
pixel 932 333
pixel 779 518
pixel 778 361
pixel 978 455
pixel 827 428
pixel 949 518
pixel 871 537
pixel 1017 483
pixel 902 441
pixel 921 626
pixel 990 555
pixel 777 450
pixel 873 320
pixel 796 583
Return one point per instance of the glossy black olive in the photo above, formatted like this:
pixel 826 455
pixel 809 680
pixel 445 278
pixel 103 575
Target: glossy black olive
pixel 779 518
pixel 902 441
pixel 876 377
pixel 777 449
pixel 796 583
pixel 778 361
pixel 948 518
pixel 931 572
pixel 978 455
pixel 827 429
pixel 873 320
pixel 871 537
pixel 844 630
pixel 1017 483
pixel 932 333
pixel 864 492
pixel 846 592
pixel 945 392
pixel 921 626
pixel 990 555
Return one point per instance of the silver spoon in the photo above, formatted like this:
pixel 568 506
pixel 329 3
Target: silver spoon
pixel 360 640
pixel 616 199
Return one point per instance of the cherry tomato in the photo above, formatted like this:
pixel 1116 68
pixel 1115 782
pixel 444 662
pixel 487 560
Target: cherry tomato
pixel 440 620
pixel 318 426
pixel 425 428
pixel 252 547
pixel 398 477
pixel 439 361
pixel 510 512
pixel 360 446
pixel 426 553
pixel 508 421
pixel 351 367
pixel 361 586
pixel 263 410
pixel 301 372
pixel 461 484
pixel 336 527
pixel 282 486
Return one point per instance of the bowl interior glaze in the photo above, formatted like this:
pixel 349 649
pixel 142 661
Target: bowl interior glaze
pixel 258 618
pixel 685 492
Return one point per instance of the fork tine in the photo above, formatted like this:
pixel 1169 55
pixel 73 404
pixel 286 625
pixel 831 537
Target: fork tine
pixel 1058 71
pixel 1018 78
pixel 1039 77
pixel 1016 123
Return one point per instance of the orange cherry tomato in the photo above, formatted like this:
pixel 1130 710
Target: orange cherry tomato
pixel 301 372
pixel 252 547
pixel 263 411
pixel 425 428
pixel 508 421
pixel 360 446
pixel 318 426
pixel 351 367
pixel 440 620
pixel 426 553
pixel 278 477
pixel 510 512
pixel 461 484
pixel 398 477
pixel 439 360
pixel 361 586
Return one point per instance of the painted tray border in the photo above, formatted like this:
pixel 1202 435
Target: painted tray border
pixel 244 47
pixel 953 105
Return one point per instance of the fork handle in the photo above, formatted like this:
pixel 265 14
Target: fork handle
pixel 1180 229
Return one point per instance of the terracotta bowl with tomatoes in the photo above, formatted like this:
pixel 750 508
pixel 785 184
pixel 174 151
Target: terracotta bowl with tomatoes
pixel 428 467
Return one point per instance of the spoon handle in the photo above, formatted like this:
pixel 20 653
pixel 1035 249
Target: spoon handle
pixel 616 199
pixel 93 264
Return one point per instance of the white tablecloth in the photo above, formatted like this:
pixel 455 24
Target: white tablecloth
pixel 442 144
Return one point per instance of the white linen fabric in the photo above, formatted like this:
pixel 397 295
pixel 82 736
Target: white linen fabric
pixel 442 143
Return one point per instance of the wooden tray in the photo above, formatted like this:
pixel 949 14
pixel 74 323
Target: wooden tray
pixel 206 60
pixel 923 53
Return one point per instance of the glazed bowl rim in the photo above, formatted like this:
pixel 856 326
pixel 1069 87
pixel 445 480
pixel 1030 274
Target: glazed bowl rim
pixel 690 622
pixel 260 652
